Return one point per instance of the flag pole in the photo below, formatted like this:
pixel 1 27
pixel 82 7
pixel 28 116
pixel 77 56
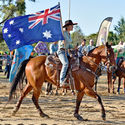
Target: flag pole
pixel 61 19
pixel 62 28
pixel 69 8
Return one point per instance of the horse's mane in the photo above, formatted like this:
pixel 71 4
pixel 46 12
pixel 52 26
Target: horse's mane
pixel 92 50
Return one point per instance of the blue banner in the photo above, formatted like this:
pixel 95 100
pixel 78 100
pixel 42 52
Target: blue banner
pixel 20 55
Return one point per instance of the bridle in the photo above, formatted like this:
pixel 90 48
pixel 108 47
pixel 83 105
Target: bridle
pixel 108 62
pixel 100 66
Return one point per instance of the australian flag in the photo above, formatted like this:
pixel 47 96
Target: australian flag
pixel 42 26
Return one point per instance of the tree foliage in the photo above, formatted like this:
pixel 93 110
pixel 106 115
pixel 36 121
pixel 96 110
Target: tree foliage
pixel 93 37
pixel 77 35
pixel 113 38
pixel 120 29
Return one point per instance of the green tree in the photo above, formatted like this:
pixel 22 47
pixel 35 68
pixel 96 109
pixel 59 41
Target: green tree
pixel 77 35
pixel 92 36
pixel 113 38
pixel 3 47
pixel 120 29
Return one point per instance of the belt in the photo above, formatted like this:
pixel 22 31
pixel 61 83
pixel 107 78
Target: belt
pixel 62 49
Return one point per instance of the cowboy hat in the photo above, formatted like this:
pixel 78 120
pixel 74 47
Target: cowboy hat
pixel 69 22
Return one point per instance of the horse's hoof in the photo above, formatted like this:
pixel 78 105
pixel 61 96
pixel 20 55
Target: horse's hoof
pixel 46 93
pixel 51 93
pixel 13 113
pixel 104 116
pixel 56 93
pixel 44 115
pixel 80 118
pixel 63 93
pixel 15 110
pixel 108 90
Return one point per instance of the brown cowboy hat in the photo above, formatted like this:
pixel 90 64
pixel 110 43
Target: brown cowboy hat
pixel 69 22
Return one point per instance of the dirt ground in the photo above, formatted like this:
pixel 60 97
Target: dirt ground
pixel 61 108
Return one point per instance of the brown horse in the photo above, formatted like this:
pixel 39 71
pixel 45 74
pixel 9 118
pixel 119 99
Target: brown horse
pixel 37 72
pixel 120 73
pixel 109 77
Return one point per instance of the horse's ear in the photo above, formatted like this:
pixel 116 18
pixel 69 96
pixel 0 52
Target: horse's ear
pixel 107 45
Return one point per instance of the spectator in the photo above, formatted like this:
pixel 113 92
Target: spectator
pixel 8 64
pixel 1 62
pixel 119 52
pixel 91 45
pixel 82 49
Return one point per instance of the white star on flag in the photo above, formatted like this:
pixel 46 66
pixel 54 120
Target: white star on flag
pixel 5 30
pixel 9 35
pixel 11 22
pixel 47 34
pixel 21 30
pixel 17 42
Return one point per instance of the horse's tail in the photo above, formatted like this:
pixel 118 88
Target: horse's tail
pixel 17 78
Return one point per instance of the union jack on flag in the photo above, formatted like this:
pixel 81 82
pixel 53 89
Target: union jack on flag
pixel 43 16
pixel 42 26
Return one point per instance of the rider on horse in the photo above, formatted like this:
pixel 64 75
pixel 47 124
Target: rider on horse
pixel 63 51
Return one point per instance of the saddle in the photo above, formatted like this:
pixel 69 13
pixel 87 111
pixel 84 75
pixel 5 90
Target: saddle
pixel 54 63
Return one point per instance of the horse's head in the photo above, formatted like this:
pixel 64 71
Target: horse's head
pixel 108 57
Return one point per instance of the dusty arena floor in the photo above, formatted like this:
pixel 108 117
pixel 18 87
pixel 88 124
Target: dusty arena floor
pixel 61 108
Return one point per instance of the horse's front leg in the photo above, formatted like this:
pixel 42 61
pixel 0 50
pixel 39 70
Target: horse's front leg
pixel 113 82
pixel 102 107
pixel 124 85
pixel 89 91
pixel 119 84
pixel 109 76
pixel 80 95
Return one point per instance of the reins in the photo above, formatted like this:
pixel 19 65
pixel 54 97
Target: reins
pixel 98 66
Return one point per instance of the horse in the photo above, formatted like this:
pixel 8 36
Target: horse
pixel 120 73
pixel 109 77
pixel 37 72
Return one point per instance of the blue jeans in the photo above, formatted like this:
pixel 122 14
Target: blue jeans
pixel 64 60
pixel 117 60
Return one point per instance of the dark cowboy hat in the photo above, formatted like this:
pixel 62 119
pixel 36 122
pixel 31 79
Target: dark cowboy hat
pixel 69 22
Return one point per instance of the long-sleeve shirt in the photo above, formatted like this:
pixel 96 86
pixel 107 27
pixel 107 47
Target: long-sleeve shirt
pixel 53 48
pixel 68 41
pixel 90 48
pixel 81 49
